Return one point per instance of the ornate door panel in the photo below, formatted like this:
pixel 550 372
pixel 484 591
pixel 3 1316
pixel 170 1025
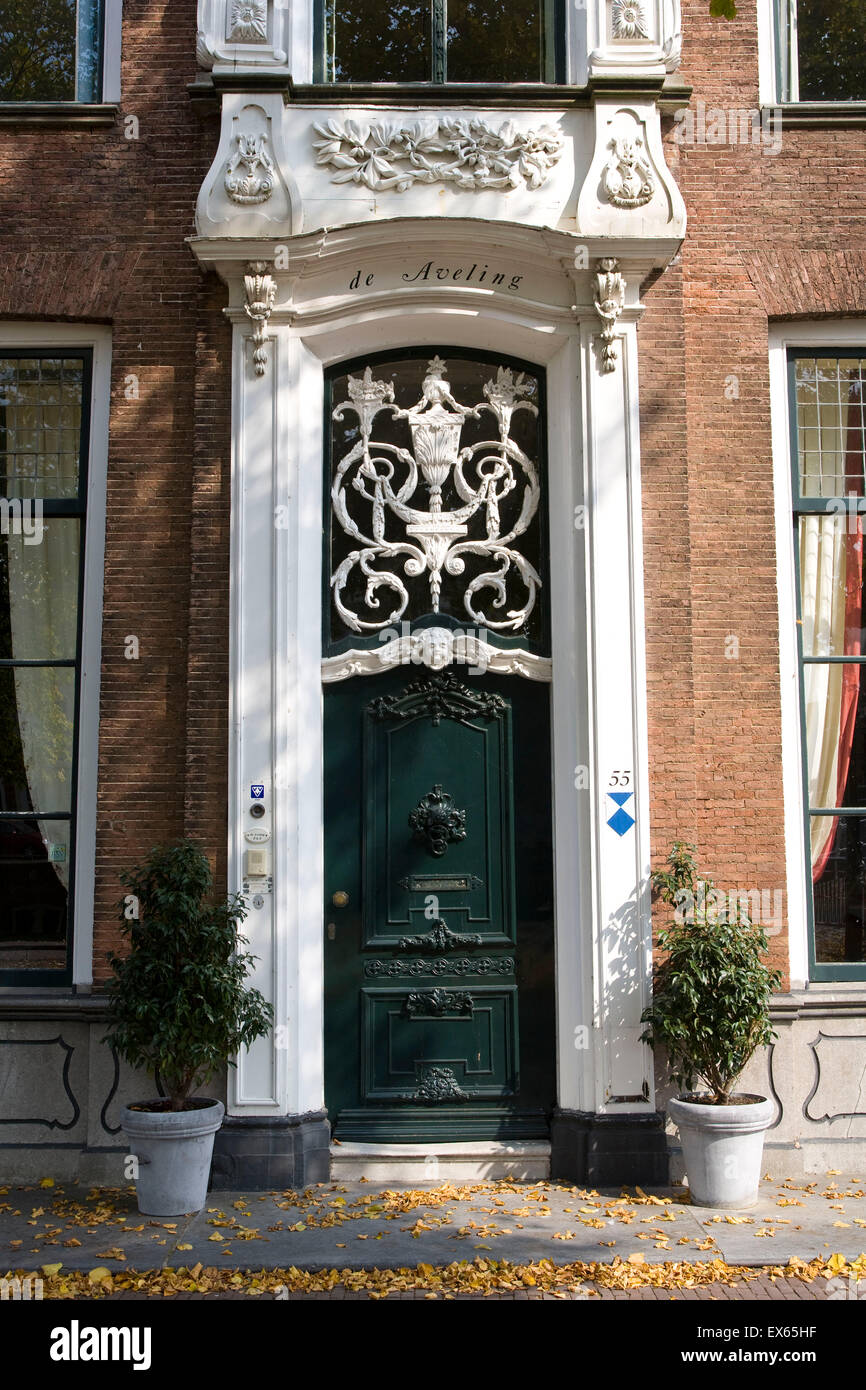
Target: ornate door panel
pixel 438 868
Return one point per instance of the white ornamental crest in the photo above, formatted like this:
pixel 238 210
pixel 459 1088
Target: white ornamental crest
pixel 434 541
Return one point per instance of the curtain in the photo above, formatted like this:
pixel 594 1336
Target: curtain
pixel 831 570
pixel 43 600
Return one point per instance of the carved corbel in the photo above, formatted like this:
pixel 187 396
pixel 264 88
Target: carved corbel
pixel 260 289
pixel 609 304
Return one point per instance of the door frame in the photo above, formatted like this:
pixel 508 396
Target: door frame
pixel 598 708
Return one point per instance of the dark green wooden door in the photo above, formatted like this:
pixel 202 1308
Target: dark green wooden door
pixel 439 1009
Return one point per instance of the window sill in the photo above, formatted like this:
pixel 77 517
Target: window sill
pixel 820 114
pixel 58 113
pixel 37 1005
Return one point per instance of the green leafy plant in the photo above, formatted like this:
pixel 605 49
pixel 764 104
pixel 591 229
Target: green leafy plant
pixel 178 1003
pixel 712 989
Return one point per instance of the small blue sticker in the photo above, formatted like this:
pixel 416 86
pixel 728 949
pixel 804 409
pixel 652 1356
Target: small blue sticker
pixel 257 791
pixel 620 821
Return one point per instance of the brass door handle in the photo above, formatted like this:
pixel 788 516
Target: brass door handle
pixel 340 899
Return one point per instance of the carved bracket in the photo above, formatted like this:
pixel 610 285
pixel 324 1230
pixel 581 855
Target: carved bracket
pixel 260 289
pixel 609 304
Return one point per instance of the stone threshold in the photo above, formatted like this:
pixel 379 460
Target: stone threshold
pixel 525 1161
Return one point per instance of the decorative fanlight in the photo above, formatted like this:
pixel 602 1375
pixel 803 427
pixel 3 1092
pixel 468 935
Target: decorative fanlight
pixel 434 540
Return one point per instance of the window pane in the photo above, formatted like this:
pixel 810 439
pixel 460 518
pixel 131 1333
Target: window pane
pixel 831 448
pixel 89 86
pixel 496 40
pixel 831 586
pixel 835 701
pixel 34 893
pixel 37 709
pixel 39 590
pixel 40 426
pixel 37 50
pixel 831 40
pixel 377 41
pixel 839 892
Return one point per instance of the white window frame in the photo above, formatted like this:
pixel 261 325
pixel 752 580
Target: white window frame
pixel 832 334
pixel 66 337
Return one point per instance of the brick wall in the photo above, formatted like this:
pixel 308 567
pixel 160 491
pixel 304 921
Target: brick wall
pixel 92 228
pixel 771 235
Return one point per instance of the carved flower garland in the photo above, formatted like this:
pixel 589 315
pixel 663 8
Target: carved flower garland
pixel 466 152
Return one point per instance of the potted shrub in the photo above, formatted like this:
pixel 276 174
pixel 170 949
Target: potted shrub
pixel 180 1010
pixel 710 1011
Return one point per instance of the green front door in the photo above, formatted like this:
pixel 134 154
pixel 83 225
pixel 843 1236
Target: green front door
pixel 439 922
pixel 438 914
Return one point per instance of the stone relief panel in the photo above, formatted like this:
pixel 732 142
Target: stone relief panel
pixel 242 33
pixel 249 189
pixel 839 1089
pixel 629 190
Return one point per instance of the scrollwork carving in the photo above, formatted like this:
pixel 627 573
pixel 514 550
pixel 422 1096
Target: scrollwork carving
pixel 437 1002
pixel 464 965
pixel 440 939
pixel 434 541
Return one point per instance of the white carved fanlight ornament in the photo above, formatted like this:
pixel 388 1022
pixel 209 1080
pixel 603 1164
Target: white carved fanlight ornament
pixel 432 540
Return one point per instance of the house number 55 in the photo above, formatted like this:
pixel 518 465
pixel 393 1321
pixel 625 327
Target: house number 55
pixel 620 779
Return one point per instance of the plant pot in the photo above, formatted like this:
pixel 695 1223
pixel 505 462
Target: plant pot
pixel 722 1148
pixel 174 1151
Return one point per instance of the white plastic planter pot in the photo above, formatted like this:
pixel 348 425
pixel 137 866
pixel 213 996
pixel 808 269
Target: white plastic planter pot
pixel 174 1150
pixel 722 1148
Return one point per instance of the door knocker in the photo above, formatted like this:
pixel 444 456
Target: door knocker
pixel 437 822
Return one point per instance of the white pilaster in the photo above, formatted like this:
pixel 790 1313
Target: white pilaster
pixel 622 942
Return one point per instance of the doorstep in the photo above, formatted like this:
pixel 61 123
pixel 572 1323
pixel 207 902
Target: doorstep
pixel 522 1161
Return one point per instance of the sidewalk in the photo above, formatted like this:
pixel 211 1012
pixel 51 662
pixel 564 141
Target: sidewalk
pixel 525 1240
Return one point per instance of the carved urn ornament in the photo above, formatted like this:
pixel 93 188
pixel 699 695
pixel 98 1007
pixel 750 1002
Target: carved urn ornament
pixel 433 540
